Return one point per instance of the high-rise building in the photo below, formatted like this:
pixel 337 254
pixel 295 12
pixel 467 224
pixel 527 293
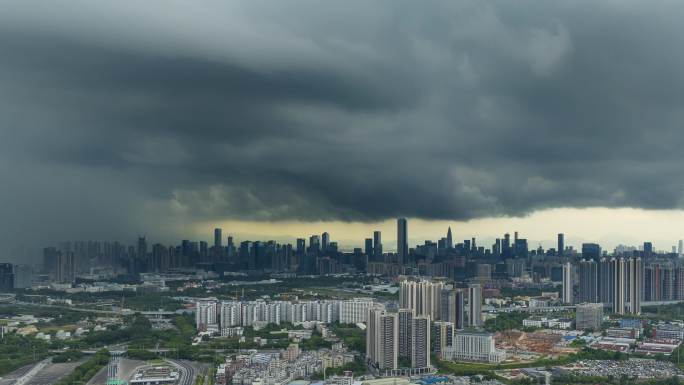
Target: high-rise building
pixel 449 239
pixel 402 240
pixel 420 343
pixel 591 251
pixel 648 249
pixel 205 314
pixel 218 238
pixel 474 305
pixel 448 305
pixel 377 245
pixel 405 332
pixel 605 281
pixel 636 276
pixel 314 244
pixel 23 276
pixel 423 296
pixel 142 248
pixel 368 249
pixel 50 260
pixel 66 272
pixel 325 240
pixel 442 336
pixel 680 248
pixel 355 310
pixel 589 316
pixel 561 244
pixel 588 281
pixel 6 276
pixel 382 338
pixel 619 288
pixel 568 284
pixel 459 322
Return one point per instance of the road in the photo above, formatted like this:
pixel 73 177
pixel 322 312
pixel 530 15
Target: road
pixel 11 378
pixel 187 372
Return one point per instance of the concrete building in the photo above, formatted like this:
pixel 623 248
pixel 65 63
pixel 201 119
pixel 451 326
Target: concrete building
pixel 420 344
pixel 423 296
pixel 382 338
pixel 475 305
pixel 402 240
pixel 474 346
pixel 636 279
pixel 405 332
pixel 568 284
pixel 442 336
pixel 619 289
pixel 589 316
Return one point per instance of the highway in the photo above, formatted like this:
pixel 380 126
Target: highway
pixel 187 372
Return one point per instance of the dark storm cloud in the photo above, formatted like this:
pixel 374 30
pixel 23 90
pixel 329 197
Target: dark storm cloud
pixel 123 117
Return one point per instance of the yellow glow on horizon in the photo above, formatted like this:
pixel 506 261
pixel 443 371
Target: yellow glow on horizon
pixel 607 226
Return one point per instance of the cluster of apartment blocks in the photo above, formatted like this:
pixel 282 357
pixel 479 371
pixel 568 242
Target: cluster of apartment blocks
pixel 623 283
pixel 431 318
pixel 212 313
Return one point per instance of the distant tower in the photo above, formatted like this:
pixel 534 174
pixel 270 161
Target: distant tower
pixel 325 240
pixel 402 240
pixel 449 239
pixel 561 244
pixel 218 238
pixel 680 248
pixel 377 245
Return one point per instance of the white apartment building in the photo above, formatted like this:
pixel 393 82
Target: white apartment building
pixel 474 346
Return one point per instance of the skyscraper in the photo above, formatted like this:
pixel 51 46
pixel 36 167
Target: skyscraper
pixel 368 249
pixel 568 284
pixel 680 248
pixel 561 244
pixel 325 240
pixel 402 240
pixel 449 239
pixel 218 238
pixel 377 245
pixel 474 305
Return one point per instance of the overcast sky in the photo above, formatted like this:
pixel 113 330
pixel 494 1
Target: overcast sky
pixel 163 118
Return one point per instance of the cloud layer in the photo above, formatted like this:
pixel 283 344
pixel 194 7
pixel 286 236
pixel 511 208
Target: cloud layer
pixel 120 117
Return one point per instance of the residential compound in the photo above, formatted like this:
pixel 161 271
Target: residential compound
pixel 430 319
pixel 212 314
